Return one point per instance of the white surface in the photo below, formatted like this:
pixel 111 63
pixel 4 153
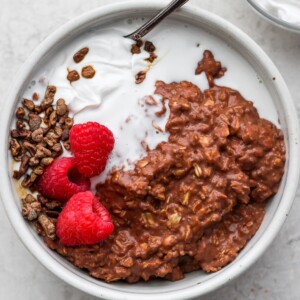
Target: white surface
pixel 23 26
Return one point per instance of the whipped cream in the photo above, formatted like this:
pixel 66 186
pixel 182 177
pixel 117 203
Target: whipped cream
pixel 112 97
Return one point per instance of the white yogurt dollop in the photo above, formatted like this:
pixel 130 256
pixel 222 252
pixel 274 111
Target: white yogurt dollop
pixel 112 97
pixel 285 10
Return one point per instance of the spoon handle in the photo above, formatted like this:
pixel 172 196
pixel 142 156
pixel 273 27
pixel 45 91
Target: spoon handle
pixel 147 27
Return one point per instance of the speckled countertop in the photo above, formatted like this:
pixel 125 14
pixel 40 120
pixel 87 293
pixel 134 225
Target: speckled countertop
pixel 23 25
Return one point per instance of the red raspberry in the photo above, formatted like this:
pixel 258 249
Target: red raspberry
pixel 83 221
pixel 91 144
pixel 61 180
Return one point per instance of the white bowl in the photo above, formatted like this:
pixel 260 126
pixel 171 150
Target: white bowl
pixel 196 283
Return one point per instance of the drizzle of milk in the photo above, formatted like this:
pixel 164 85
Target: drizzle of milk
pixel 285 10
pixel 112 97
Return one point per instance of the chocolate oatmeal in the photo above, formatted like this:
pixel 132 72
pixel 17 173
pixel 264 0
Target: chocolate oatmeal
pixel 194 201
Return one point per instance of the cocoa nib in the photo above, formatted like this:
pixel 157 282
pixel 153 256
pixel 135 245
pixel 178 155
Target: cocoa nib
pixel 88 72
pixel 24 164
pixel 50 92
pixel 31 208
pixel 20 113
pixel 20 134
pixel 35 142
pixel 35 97
pixel 33 162
pixel 37 135
pixel 14 134
pixel 14 147
pixel 80 55
pixel 46 103
pixel 61 107
pixel 16 175
pixel 52 118
pixel 28 104
pixel 135 49
pixel 57 148
pixel 20 125
pixel 49 111
pixel 73 76
pixel 38 109
pixel 30 148
pixel 58 132
pixel 149 47
pixel 69 122
pixel 139 43
pixel 42 152
pixel 26 182
pixel 49 97
pixel 34 121
pixel 46 161
pixel 140 77
pixel 48 226
pixel 65 134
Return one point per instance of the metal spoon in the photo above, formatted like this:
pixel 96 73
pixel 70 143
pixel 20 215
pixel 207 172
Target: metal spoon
pixel 146 28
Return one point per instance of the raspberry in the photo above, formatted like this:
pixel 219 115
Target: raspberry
pixel 91 144
pixel 61 180
pixel 83 221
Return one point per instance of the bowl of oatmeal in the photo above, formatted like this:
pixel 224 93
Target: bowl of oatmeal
pixel 204 165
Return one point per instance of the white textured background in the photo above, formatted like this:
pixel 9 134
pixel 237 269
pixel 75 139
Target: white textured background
pixel 23 25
